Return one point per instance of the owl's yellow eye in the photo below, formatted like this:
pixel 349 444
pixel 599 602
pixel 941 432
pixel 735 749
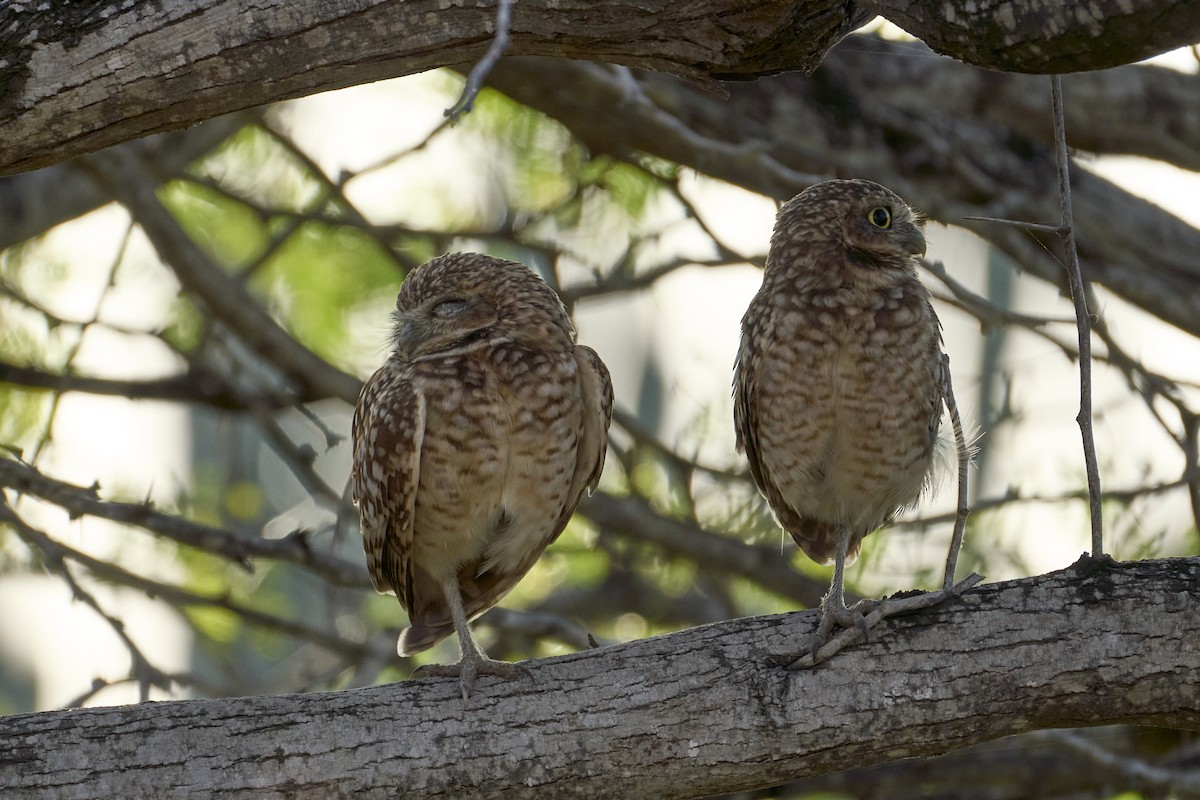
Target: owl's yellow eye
pixel 880 217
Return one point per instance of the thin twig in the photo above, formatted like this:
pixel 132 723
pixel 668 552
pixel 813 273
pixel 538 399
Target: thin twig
pixel 109 282
pixel 1082 316
pixel 108 572
pixel 1016 223
pixel 964 459
pixel 140 668
pixel 480 71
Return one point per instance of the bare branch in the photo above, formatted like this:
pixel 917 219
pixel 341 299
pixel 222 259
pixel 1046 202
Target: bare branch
pixel 480 71
pixel 1031 36
pixel 79 501
pixel 312 376
pixel 964 459
pixel 633 517
pixel 183 598
pixel 950 165
pixel 198 385
pixel 74 81
pixel 1031 766
pixel 1083 317
pixel 689 714
pixel 1138 772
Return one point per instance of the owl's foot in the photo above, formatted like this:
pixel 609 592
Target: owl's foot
pixel 470 668
pixel 864 615
pixel 835 612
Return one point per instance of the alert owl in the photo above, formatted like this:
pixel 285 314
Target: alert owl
pixel 473 444
pixel 838 383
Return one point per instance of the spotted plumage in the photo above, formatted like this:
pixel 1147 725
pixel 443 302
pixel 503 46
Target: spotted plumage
pixel 473 444
pixel 838 381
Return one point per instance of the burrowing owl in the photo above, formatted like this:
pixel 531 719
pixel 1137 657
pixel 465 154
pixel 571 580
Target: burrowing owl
pixel 472 445
pixel 838 381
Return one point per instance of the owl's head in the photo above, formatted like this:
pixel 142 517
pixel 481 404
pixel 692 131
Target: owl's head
pixel 869 223
pixel 459 300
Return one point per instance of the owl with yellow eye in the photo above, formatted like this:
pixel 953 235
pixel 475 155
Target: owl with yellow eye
pixel 838 385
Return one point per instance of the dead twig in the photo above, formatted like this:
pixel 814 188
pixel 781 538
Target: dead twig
pixel 480 71
pixel 1083 317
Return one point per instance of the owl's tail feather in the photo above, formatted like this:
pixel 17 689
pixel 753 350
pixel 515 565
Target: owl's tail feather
pixel 429 619
pixel 819 539
pixel 419 637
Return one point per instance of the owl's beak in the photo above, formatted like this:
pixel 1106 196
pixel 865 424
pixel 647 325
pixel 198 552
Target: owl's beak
pixel 911 238
pixel 407 331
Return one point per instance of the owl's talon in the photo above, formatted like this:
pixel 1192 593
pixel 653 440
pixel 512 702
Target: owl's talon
pixel 468 669
pixel 835 613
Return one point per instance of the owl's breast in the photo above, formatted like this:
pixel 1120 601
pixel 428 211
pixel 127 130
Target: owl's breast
pixel 496 460
pixel 846 392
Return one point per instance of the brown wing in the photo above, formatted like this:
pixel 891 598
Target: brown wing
pixel 595 384
pixel 388 428
pixel 483 588
pixel 745 413
pixel 817 539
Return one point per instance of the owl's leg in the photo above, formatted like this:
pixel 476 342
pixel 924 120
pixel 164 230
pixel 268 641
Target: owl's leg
pixel 474 661
pixel 834 610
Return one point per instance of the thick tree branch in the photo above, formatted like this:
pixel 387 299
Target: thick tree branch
pixel 78 77
pixel 1144 111
pixel 689 714
pixel 1041 37
pixel 860 108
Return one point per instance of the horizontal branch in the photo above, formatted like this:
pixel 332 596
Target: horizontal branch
pixel 79 501
pixel 633 518
pixel 197 385
pixel 689 714
pixel 1041 37
pixel 75 78
pixel 301 629
pixel 72 82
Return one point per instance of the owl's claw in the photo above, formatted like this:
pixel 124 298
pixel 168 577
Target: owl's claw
pixel 864 615
pixel 468 669
pixel 834 612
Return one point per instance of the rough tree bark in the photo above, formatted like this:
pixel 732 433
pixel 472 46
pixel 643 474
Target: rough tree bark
pixel 688 714
pixel 78 77
pixel 1045 37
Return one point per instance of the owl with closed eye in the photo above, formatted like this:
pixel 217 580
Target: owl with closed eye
pixel 473 443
